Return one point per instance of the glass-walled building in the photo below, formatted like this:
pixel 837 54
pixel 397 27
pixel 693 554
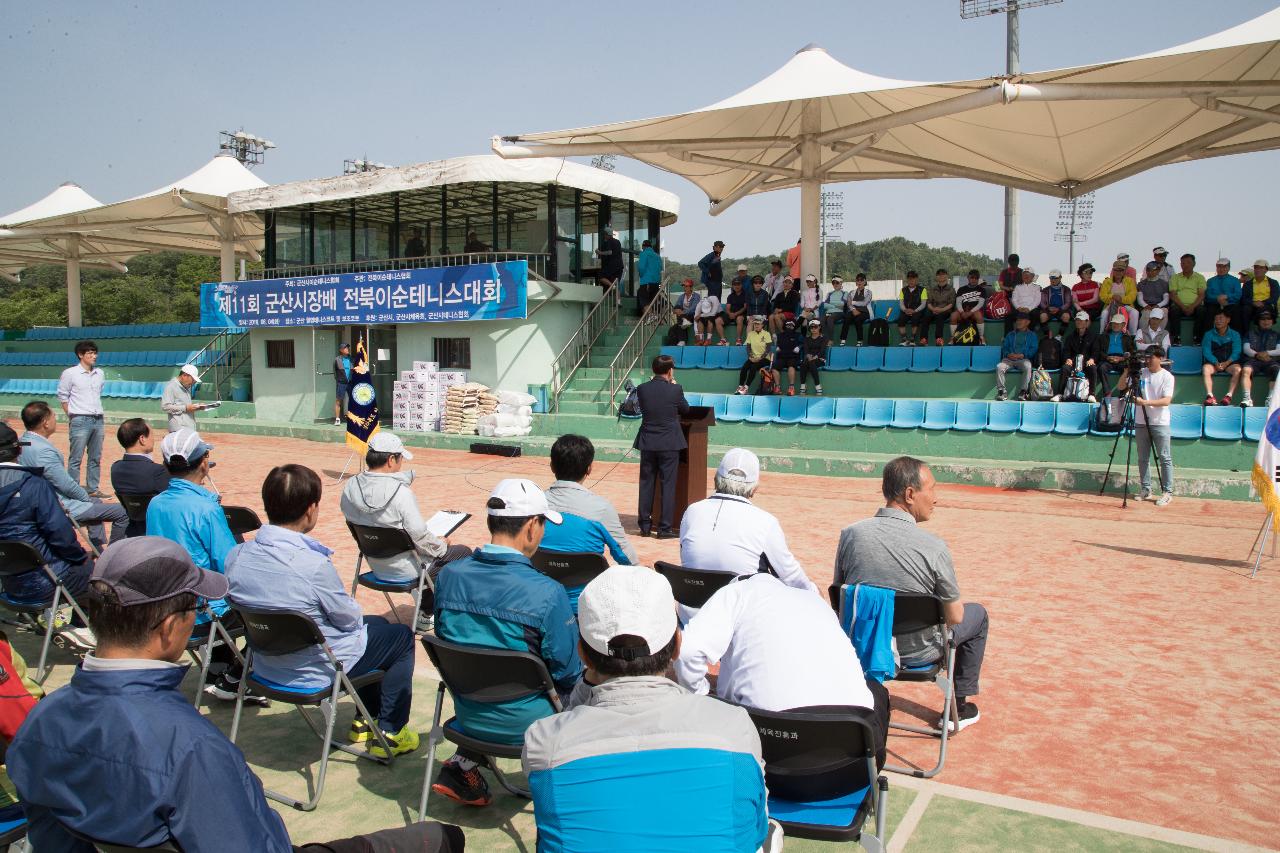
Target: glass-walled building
pixel 550 212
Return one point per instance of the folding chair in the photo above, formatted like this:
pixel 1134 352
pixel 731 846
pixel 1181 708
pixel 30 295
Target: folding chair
pixel 241 520
pixel 13 835
pixel 136 507
pixel 381 543
pixel 108 847
pixel 18 558
pixel 573 571
pixel 804 752
pixel 283 632
pixel 201 643
pixel 692 587
pixel 912 613
pixel 489 676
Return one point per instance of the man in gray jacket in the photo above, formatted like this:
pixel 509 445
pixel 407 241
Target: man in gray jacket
pixel 176 399
pixel 571 460
pixel 382 497
pixel 631 736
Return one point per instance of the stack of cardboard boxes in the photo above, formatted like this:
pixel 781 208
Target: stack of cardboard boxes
pixel 418 403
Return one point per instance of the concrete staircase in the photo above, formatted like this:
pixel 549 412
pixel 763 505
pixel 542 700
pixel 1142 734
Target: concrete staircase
pixel 588 391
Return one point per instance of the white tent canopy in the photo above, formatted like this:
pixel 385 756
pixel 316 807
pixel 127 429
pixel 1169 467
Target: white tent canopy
pixel 189 215
pixel 1061 133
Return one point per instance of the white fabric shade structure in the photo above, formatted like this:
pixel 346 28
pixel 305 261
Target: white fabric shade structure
pixel 190 215
pixel 1060 133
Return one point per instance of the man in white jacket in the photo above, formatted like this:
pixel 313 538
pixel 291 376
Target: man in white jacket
pixel 382 497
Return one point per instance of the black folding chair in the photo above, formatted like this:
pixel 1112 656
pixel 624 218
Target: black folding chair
pixel 17 558
pixel 13 835
pixel 282 632
pixel 820 768
pixel 573 571
pixel 692 587
pixel 136 507
pixel 491 676
pixel 241 520
pixel 109 847
pixel 912 614
pixel 381 543
pixel 201 644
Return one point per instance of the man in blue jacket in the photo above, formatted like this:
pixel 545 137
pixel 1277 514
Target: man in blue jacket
pixel 712 270
pixel 496 599
pixel 649 274
pixel 1222 292
pixel 1018 352
pixel 1220 347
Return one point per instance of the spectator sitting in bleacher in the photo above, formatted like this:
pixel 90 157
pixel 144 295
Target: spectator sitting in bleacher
pixel 1081 343
pixel 283 568
pixel 810 299
pixel 970 299
pixel 1222 293
pixel 1119 292
pixel 938 308
pixel 572 457
pixel 1153 292
pixel 890 550
pixel 860 310
pixel 735 306
pixel 136 473
pixel 382 496
pixel 1187 299
pixel 1122 262
pixel 1025 299
pixel 786 306
pixel 1017 352
pixel 759 351
pixel 1114 347
pixel 1153 332
pixel 39 454
pixel 834 309
pixel 687 302
pixel 759 300
pixel 29 512
pixel 1261 292
pixel 708 316
pixel 815 356
pixel 727 533
pixel 678 332
pixel 121 754
pixel 636 761
pixel 1055 304
pixel 1086 293
pixel 1221 349
pixel 779 649
pixel 911 301
pixel 1262 354
pixel 773 281
pixel 496 599
pixel 789 355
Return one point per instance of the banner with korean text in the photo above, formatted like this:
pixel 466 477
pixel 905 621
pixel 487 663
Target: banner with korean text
pixel 429 295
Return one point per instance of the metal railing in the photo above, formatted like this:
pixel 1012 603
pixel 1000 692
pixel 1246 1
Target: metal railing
pixel 578 349
pixel 656 316
pixel 222 358
pixel 538 262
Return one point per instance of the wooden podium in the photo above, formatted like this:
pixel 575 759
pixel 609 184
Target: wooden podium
pixel 689 488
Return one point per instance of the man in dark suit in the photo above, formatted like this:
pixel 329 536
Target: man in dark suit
pixel 660 441
pixel 137 473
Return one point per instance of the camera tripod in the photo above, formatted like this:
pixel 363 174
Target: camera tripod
pixel 1128 426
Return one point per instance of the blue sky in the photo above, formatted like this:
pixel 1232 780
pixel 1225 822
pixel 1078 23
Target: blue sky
pixel 123 97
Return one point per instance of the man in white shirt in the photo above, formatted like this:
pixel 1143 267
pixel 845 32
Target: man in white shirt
pixel 1026 296
pixel 708 315
pixel 726 533
pixel 1154 396
pixel 779 649
pixel 80 392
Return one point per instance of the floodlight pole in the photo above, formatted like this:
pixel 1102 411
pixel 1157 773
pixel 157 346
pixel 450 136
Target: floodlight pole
pixel 1013 65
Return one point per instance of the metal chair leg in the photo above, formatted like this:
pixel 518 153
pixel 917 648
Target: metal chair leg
pixel 42 670
pixel 950 715
pixel 433 741
pixel 391 607
pixel 514 790
pixel 240 690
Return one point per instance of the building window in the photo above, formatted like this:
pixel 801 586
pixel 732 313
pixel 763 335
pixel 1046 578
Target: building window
pixel 280 353
pixel 453 353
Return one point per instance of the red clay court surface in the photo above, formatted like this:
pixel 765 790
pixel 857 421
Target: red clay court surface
pixel 1130 668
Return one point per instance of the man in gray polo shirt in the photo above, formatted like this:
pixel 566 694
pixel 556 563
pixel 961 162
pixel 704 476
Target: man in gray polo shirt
pixel 891 551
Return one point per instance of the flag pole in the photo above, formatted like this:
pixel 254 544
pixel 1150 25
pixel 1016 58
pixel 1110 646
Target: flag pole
pixel 1262 545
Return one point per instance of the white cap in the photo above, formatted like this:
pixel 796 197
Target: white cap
pixel 810 277
pixel 1029 269
pixel 1055 273
pixel 1224 262
pixel 1123 256
pixel 388 442
pixel 1083 315
pixel 1156 314
pixel 740 465
pixel 1118 317
pixel 742 267
pixel 185 443
pixel 814 324
pixel 190 370
pixel 522 498
pixel 627 600
pixel 1261 263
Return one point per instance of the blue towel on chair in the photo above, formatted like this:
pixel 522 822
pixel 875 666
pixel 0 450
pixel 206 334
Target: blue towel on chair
pixel 867 618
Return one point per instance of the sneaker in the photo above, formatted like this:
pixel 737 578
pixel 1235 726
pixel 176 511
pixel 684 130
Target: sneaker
pixel 858 344
pixel 360 732
pixel 817 389
pixel 1225 401
pixel 791 392
pixel 1023 396
pixel 1001 396
pixel 224 687
pixel 1056 398
pixel 938 342
pixel 842 343
pixel 337 422
pixel 426 623
pixel 1209 400
pixel 804 390
pixel 405 740
pixel 1091 399
pixel 723 343
pixel 924 342
pixel 1165 499
pixel 78 638
pixel 462 786
pixel 742 389
pixel 738 342
pixel 968 714
pixel 1144 495
pixel 1246 401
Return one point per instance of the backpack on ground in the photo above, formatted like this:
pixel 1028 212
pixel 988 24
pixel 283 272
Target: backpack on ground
pixel 768 382
pixel 630 407
pixel 966 336
pixel 878 333
pixel 1076 389
pixel 1041 384
pixel 998 306
pixel 1049 355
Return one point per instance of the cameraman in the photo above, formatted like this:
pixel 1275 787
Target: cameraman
pixel 1152 399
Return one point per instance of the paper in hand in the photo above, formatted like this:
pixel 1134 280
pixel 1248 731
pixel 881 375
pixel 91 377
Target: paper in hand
pixel 445 522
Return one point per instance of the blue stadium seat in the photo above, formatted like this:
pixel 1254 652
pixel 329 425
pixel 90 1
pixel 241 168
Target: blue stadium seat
pixel 907 414
pixel 719 403
pixel 1223 422
pixel 717 358
pixel 955 359
pixel 878 413
pixel 1255 417
pixel 737 409
pixel 849 411
pixel 821 411
pixel 868 358
pixel 1037 418
pixel 926 359
pixel 157 391
pixel 939 414
pixel 1074 418
pixel 1187 421
pixel 736 356
pixel 841 358
pixel 693 398
pixel 764 409
pixel 971 415
pixel 1187 361
pixel 1004 417
pixel 674 352
pixel 791 410
pixel 984 359
pixel 896 359
pixel 692 357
